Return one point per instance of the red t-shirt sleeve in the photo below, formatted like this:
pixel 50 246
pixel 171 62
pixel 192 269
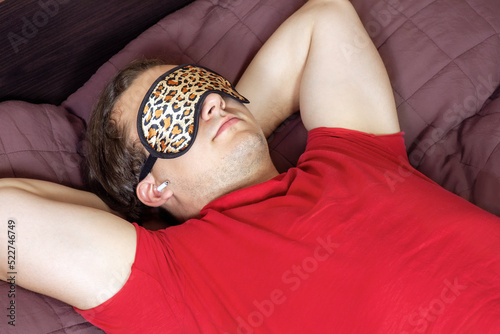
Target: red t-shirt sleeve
pixel 142 305
pixel 390 144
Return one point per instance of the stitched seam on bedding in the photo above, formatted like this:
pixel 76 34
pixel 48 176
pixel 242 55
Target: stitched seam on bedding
pixel 215 44
pixel 475 11
pixel 250 30
pixel 245 15
pixel 59 149
pixel 411 20
pixel 238 21
pixel 184 52
pixel 468 50
pixel 454 155
pixel 434 42
pixel 478 169
pixel 222 37
pixel 88 325
pixel 445 134
pixel 59 320
pixel 248 14
pixel 490 155
pixel 452 60
pixel 408 19
pixel 8 159
pixel 424 153
pixel 21 132
pixel 398 28
pixel 58 143
pixel 481 168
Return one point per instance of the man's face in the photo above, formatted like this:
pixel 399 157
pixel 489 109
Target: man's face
pixel 230 150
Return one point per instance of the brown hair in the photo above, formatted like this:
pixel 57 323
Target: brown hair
pixel 113 162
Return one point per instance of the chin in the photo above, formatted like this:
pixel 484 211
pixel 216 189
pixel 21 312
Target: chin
pixel 245 162
pixel 248 158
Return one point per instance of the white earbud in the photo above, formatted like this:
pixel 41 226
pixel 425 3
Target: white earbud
pixel 162 186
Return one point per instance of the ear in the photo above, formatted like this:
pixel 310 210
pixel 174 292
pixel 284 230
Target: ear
pixel 149 195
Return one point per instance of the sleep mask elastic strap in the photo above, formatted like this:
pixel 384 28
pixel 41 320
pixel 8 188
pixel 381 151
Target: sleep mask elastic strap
pixel 148 166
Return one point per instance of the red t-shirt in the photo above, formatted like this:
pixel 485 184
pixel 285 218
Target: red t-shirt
pixel 353 240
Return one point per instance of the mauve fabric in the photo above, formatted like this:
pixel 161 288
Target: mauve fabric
pixel 41 142
pixel 221 35
pixel 50 48
pixel 442 58
pixel 441 55
pixel 38 314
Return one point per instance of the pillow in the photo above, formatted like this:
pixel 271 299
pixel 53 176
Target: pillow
pixel 40 142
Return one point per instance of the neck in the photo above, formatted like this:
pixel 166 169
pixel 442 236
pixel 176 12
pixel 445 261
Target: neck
pixel 187 205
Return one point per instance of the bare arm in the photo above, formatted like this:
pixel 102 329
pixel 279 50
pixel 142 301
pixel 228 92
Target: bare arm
pixel 56 192
pixel 321 61
pixel 81 255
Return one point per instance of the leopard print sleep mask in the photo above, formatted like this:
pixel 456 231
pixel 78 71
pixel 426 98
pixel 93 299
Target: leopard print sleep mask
pixel 168 118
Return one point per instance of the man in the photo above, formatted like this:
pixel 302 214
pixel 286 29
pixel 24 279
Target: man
pixel 327 247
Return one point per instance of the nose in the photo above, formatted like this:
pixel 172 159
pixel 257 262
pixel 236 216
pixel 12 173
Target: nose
pixel 214 105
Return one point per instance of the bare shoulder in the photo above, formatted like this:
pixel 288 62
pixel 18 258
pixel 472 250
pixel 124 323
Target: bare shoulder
pixel 78 254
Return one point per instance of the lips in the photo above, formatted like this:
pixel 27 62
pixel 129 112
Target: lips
pixel 227 123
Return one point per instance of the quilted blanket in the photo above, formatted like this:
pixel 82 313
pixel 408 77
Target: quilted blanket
pixel 443 61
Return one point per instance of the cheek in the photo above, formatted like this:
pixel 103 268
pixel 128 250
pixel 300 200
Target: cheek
pixel 196 163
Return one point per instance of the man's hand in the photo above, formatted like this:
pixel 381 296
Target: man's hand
pixel 321 61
